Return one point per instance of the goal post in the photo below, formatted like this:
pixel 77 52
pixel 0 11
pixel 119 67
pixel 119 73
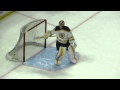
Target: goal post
pixel 27 46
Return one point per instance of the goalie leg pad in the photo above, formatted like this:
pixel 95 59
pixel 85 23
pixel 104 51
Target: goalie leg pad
pixel 60 54
pixel 71 54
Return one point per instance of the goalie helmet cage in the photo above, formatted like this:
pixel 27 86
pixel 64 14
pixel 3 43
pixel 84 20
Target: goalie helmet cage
pixel 27 46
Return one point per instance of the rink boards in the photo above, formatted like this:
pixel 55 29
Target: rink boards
pixel 4 14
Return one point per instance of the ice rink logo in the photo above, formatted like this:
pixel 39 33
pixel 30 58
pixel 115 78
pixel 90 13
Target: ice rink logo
pixel 1 12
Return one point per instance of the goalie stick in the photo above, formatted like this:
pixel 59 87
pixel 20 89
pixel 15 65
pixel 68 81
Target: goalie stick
pixel 42 37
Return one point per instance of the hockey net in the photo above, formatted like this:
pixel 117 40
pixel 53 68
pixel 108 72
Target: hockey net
pixel 27 46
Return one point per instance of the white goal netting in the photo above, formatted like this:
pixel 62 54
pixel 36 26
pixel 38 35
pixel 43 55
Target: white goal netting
pixel 27 46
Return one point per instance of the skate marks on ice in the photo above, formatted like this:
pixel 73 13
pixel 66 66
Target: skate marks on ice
pixel 46 60
pixel 86 58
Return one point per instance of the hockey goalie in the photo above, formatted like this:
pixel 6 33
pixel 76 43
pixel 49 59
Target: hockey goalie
pixel 65 42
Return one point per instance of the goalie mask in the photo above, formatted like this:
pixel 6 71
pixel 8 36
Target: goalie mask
pixel 61 23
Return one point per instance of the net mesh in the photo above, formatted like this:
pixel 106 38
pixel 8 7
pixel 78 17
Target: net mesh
pixel 27 46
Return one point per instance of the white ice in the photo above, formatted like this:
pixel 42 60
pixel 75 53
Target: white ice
pixel 98 42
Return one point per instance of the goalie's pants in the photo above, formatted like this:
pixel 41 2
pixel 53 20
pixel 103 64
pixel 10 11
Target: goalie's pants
pixel 58 44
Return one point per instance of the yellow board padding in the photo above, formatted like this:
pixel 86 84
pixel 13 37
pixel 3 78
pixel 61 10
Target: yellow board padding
pixel 6 14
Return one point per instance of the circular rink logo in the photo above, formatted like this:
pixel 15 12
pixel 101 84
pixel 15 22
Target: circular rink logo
pixel 1 12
